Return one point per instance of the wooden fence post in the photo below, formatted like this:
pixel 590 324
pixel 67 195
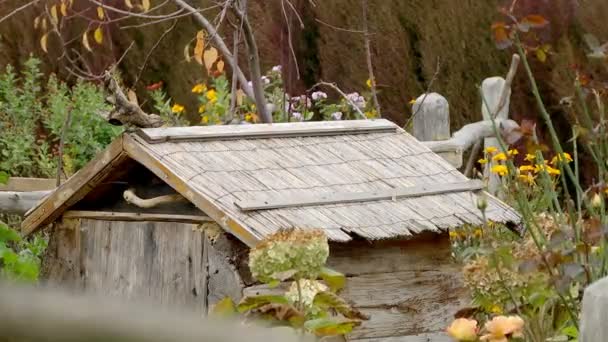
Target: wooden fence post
pixel 595 310
pixel 491 89
pixel 432 123
pixel 432 118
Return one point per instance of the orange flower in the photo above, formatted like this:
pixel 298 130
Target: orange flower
pixel 463 329
pixel 501 328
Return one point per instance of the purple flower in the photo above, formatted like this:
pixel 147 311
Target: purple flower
pixel 357 99
pixel 336 116
pixel 318 95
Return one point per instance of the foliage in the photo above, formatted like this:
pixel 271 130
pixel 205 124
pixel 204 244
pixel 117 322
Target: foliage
pixel 32 118
pixel 308 305
pixel 19 259
pixel 542 276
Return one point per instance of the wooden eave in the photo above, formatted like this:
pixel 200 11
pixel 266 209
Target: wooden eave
pixel 85 180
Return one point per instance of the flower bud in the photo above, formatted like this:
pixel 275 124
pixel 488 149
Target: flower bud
pixel 596 201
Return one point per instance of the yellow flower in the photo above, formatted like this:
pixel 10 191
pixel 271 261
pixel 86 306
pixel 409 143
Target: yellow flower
pixel 564 157
pixel 482 161
pixel 499 157
pixel 199 88
pixel 513 152
pixel 501 328
pixel 205 119
pixel 177 109
pixel 495 309
pixel 463 329
pixel 553 171
pixel 527 178
pixel 500 170
pixel 530 157
pixel 526 168
pixel 453 234
pixel 477 232
pixel 201 108
pixel 370 114
pixel 368 83
pixel 491 149
pixel 412 101
pixel 211 95
pixel 249 117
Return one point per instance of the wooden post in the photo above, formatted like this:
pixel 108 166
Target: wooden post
pixel 491 89
pixel 595 311
pixel 431 117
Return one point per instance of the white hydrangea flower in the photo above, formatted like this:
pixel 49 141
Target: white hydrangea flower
pixel 309 288
pixel 357 99
pixel 318 95
pixel 336 116
pixel 297 116
pixel 277 68
pixel 265 80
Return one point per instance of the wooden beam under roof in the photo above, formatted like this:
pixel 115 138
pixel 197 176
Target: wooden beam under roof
pixel 277 130
pixel 277 202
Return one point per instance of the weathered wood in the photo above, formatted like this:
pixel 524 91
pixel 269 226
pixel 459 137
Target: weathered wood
pixel 159 262
pixel 75 189
pixel 180 185
pixel 594 312
pixel 39 314
pixel 137 217
pixel 19 203
pixel 277 130
pixel 494 106
pixel 61 264
pixel 424 337
pixel 304 200
pixel 23 184
pixel 425 252
pixel 401 303
pixel 224 255
pixel 469 134
pixel 432 117
pixel 451 154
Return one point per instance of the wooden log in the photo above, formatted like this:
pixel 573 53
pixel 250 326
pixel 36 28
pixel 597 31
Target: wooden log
pixel 42 314
pixel 61 264
pixel 136 217
pixel 594 313
pixel 24 184
pixel 12 202
pixel 224 257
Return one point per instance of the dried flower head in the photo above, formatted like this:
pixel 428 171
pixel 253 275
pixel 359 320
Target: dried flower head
pixel 289 253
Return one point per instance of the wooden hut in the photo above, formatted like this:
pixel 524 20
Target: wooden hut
pixel 384 200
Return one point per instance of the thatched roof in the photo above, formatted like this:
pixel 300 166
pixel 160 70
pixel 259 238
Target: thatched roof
pixel 364 178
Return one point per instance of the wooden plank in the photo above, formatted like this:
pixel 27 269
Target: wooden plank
pixel 23 184
pixel 424 337
pixel 137 217
pixel 72 191
pixel 19 203
pixel 333 198
pixel 277 130
pixel 146 157
pixel 61 264
pixel 223 255
pixel 400 303
pixel 153 261
pixel 424 252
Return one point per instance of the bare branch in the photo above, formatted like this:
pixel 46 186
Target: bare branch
pixel 368 52
pixel 426 93
pixel 289 40
pixel 64 131
pixel 125 112
pixel 143 65
pixel 18 9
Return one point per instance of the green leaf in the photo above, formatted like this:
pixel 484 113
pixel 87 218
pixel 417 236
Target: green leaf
pixel 224 308
pixel 7 234
pixel 327 327
pixel 329 300
pixel 250 303
pixel 335 280
pixel 3 177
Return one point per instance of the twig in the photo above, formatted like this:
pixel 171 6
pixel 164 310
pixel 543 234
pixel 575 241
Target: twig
pixel 233 91
pixel 501 103
pixel 64 130
pixel 368 52
pixel 143 65
pixel 338 28
pixel 335 87
pixel 18 9
pixel 426 93
pixel 289 40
